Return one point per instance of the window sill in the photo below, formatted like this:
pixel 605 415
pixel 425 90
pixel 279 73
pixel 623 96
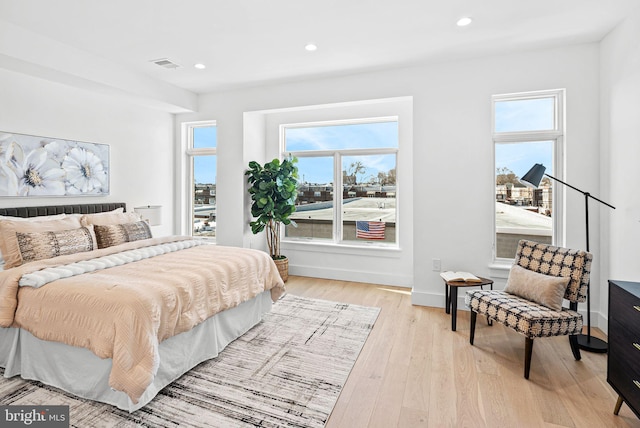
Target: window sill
pixel 500 268
pixel 208 240
pixel 331 247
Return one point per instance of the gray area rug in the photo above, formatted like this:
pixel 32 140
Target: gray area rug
pixel 287 371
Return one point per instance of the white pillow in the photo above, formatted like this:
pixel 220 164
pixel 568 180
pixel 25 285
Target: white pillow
pixel 39 218
pixel 543 289
pixel 117 216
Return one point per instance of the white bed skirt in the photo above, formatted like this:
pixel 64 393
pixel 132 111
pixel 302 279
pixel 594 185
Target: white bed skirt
pixel 80 372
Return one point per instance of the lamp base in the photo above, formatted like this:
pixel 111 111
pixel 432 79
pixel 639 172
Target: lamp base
pixel 592 344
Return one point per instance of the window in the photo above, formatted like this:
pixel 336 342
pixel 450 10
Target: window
pixel 347 181
pixel 201 158
pixel 527 129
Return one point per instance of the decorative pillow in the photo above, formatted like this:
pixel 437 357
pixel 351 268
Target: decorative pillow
pixel 47 245
pixel 543 289
pixel 117 216
pixel 41 218
pixel 116 234
pixel 10 228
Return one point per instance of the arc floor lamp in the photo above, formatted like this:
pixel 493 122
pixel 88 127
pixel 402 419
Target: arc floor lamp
pixel 532 179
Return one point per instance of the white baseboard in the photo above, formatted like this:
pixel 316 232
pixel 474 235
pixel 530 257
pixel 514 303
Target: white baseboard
pixel 394 279
pixel 434 300
pixel 600 321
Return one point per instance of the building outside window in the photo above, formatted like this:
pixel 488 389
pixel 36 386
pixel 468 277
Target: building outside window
pixel 347 185
pixel 201 154
pixel 528 128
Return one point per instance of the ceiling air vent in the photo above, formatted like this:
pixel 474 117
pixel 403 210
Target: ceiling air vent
pixel 165 62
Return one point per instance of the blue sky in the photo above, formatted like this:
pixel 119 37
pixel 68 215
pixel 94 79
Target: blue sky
pixel 204 167
pixel 353 136
pixel 525 115
pixel 520 157
pixel 205 137
pixel 534 114
pixel 315 170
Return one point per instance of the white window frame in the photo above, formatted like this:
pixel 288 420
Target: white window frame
pixel 555 135
pixel 337 155
pixel 189 153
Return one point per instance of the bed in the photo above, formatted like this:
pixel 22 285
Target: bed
pixel 119 322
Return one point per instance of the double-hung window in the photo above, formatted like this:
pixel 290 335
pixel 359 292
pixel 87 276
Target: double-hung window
pixel 528 128
pixel 201 158
pixel 347 186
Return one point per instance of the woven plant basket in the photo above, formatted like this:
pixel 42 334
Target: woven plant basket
pixel 283 268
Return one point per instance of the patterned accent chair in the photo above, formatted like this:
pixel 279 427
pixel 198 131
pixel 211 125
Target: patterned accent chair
pixel 528 317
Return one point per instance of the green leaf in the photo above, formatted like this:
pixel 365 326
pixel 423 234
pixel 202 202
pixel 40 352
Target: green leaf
pixel 273 193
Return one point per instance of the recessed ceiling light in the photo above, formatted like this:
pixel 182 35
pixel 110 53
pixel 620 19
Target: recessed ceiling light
pixel 311 47
pixel 200 66
pixel 464 21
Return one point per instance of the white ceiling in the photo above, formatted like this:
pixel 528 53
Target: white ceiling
pixel 252 42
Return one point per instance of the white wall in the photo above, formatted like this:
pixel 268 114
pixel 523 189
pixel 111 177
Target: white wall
pixel 452 209
pixel 256 138
pixel 452 148
pixel 141 139
pixel 620 152
pixel 453 141
pixel 24 51
pixel 355 262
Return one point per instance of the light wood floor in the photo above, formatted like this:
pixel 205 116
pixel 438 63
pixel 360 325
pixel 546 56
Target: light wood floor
pixel 414 371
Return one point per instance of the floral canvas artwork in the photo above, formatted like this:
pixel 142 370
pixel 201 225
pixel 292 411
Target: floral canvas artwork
pixel 41 166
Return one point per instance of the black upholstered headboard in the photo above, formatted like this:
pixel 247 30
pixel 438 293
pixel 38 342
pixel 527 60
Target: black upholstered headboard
pixel 60 209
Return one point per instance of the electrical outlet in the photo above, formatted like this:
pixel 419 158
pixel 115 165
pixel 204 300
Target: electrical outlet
pixel 437 265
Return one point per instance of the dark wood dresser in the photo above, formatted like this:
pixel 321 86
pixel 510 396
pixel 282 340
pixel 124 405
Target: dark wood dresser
pixel 623 364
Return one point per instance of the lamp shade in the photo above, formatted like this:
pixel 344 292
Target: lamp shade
pixel 533 177
pixel 152 214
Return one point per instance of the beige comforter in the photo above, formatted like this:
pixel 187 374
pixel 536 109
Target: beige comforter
pixel 124 312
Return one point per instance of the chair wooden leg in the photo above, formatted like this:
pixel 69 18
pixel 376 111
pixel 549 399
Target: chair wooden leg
pixel 575 348
pixel 472 329
pixel 528 350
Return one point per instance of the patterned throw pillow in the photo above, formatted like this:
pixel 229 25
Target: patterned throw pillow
pixel 543 289
pixel 41 218
pixel 116 234
pixel 47 245
pixel 10 228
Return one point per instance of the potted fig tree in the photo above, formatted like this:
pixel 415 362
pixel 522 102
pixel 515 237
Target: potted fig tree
pixel 272 187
